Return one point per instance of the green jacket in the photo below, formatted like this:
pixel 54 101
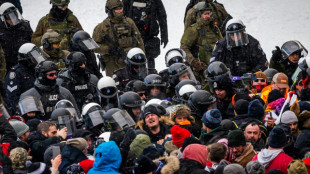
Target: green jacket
pixel 198 41
pixel 48 22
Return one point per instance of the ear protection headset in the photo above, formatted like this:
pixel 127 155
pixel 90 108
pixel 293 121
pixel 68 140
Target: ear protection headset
pixel 46 44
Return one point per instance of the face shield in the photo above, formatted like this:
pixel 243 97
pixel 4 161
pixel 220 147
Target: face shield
pixel 236 38
pixel 88 44
pixel 95 118
pixel 11 17
pixel 120 120
pixel 290 47
pixel 108 92
pixel 139 71
pixel 67 121
pixel 30 104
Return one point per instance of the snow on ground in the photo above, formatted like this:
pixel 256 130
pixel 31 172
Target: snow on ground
pixel 272 22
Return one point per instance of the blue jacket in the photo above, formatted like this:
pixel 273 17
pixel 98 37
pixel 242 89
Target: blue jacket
pixel 108 159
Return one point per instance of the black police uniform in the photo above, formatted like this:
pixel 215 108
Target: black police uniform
pixel 149 19
pixel 242 59
pixel 18 80
pixel 82 88
pixel 12 38
pixel 49 96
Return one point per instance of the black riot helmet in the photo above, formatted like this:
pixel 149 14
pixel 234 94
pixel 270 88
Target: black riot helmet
pixel 30 55
pixel 64 103
pixel 216 72
pixel 177 70
pixel 175 55
pixel 155 81
pixel 81 41
pixel 200 101
pixel 183 90
pixel 74 60
pixel 62 117
pixel 270 72
pixel 130 100
pixel 135 86
pixel 118 120
pixel 291 47
pixel 42 68
pixel 93 116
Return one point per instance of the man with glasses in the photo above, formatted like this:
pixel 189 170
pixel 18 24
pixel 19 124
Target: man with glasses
pixel 279 82
pixel 59 18
pixel 46 89
pixel 259 82
pixel 46 135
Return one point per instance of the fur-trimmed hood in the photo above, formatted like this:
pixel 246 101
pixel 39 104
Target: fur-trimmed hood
pixel 163 119
pixel 172 164
pixel 302 111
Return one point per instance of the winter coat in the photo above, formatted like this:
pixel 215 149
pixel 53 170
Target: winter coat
pixel 287 67
pixel 191 167
pixel 39 143
pixel 246 156
pixel 49 96
pixel 243 59
pixel 12 38
pixel 240 119
pixel 70 155
pixel 107 159
pixel 213 136
pixel 49 22
pixel 303 140
pixel 165 125
pixel 273 159
pixel 171 164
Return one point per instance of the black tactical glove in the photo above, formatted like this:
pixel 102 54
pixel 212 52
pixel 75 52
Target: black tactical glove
pixel 128 138
pixel 277 55
pixel 164 41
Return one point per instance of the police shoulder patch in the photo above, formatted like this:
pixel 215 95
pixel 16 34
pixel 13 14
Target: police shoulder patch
pixel 12 75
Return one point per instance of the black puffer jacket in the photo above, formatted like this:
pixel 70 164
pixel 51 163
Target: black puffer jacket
pixel 70 155
pixel 191 167
pixel 213 136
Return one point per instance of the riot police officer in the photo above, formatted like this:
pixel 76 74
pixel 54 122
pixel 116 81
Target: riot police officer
pixel 286 59
pixel 149 16
pixel 46 89
pixel 108 93
pixel 116 35
pixel 59 18
pixel 21 77
pixel 239 51
pixel 14 31
pixel 135 69
pixel 131 102
pixel 137 86
pixel 92 114
pixel 81 41
pixel 77 80
pixel 183 90
pixel 51 45
pixel 155 87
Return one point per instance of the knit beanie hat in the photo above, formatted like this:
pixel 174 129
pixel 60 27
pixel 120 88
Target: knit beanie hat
pixel 241 107
pixel 234 169
pixel 150 109
pixel 79 143
pixel 18 157
pixel 178 135
pixel 256 110
pixel 288 117
pixel 297 167
pixel 212 118
pixel 274 95
pixel 144 165
pixel 275 171
pixel 19 127
pixel 236 138
pixel 254 167
pixel 38 168
pixel 188 141
pixel 139 143
pixel 276 138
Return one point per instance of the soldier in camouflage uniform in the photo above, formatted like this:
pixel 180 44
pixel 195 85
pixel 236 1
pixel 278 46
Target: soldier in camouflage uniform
pixel 51 45
pixel 199 39
pixel 116 35
pixel 220 14
pixel 59 18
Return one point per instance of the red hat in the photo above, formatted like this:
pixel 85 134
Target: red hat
pixel 178 135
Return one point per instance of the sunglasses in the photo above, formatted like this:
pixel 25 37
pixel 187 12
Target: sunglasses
pixel 51 74
pixel 56 45
pixel 261 80
pixel 141 94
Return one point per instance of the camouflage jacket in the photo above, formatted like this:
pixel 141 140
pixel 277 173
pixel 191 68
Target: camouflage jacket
pixel 60 59
pixel 128 36
pixel 65 26
pixel 198 41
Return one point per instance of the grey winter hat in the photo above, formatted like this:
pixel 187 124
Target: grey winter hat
pixel 288 117
pixel 20 127
pixel 234 169
pixel 254 167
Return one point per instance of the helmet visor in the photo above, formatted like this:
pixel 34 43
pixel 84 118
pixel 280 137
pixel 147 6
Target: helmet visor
pixel 236 38
pixel 175 60
pixel 108 92
pixel 12 17
pixel 30 104
pixel 67 121
pixel 121 120
pixel 138 59
pixel 37 55
pixel 88 44
pixel 96 117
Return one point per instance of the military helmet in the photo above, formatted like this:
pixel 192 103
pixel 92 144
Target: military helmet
pixel 60 2
pixel 111 4
pixel 270 72
pixel 130 100
pixel 49 38
pixel 74 60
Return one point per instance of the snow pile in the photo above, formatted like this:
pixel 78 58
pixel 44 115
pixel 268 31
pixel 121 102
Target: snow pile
pixel 271 22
